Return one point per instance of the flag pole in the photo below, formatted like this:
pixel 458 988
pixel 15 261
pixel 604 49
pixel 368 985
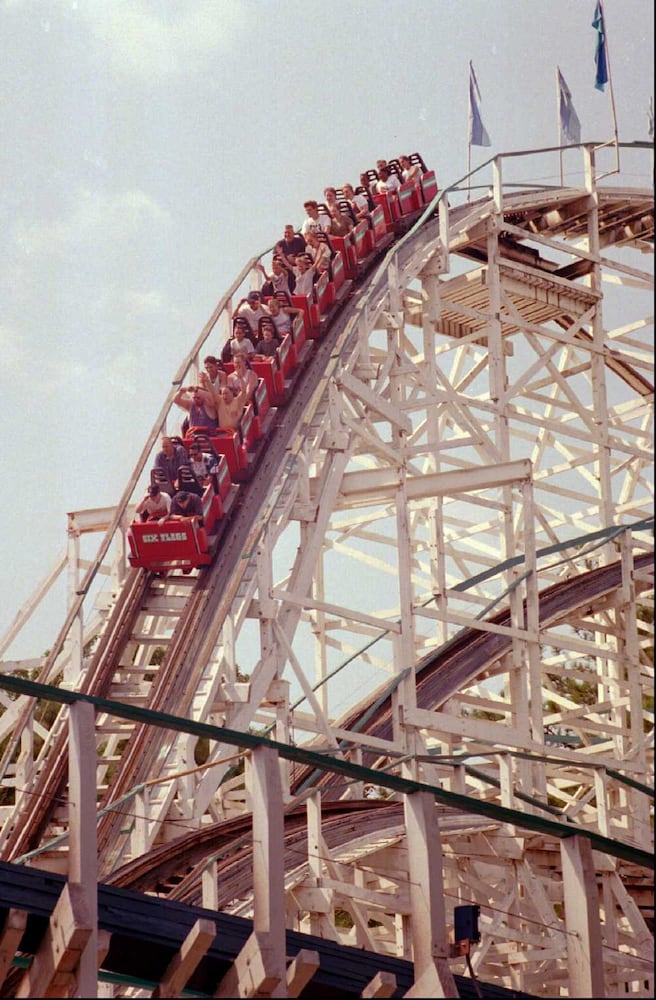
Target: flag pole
pixel 560 126
pixel 469 131
pixel 469 170
pixel 615 140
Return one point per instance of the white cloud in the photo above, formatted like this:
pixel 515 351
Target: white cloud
pixel 124 373
pixel 97 217
pixel 15 357
pixel 145 44
pixel 147 304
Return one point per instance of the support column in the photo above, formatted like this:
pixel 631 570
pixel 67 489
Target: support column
pixel 584 951
pixel 260 968
pixel 83 839
pixel 429 938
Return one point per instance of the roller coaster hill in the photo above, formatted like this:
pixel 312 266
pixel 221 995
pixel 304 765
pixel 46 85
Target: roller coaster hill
pixel 381 722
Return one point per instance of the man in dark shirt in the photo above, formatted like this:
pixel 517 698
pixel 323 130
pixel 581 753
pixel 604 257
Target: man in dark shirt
pixel 185 505
pixel 291 242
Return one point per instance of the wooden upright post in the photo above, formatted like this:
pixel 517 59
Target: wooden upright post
pixel 260 968
pixel 584 951
pixel 83 840
pixel 429 941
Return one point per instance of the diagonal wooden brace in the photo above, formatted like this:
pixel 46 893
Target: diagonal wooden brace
pixel 10 937
pixel 183 965
pixel 382 985
pixel 301 970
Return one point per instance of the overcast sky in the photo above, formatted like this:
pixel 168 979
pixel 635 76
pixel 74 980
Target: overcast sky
pixel 149 149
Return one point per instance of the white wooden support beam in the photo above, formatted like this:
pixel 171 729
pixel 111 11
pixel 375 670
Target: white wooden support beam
pixel 260 968
pixel 139 838
pixel 210 892
pixel 52 973
pixel 429 937
pixel 268 845
pixel 443 219
pixel 382 985
pixel 83 839
pixel 584 951
pixel 183 965
pixel 497 184
pixel 313 812
pixel 382 484
pixel 301 970
pixel 75 638
pixel 10 937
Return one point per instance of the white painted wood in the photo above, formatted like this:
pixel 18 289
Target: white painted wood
pixel 586 967
pixel 429 938
pixel 473 410
pixel 83 867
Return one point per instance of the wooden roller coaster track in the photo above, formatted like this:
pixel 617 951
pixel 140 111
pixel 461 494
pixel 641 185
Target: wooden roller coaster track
pixel 479 485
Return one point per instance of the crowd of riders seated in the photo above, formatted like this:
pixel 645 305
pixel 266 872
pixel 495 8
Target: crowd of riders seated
pixel 261 321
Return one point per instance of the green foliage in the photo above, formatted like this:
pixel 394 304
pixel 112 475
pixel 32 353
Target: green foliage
pixel 479 713
pixel 578 691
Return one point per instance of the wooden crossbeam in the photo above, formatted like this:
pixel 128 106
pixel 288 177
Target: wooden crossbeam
pixel 382 985
pixel 301 970
pixel 183 965
pixel 10 936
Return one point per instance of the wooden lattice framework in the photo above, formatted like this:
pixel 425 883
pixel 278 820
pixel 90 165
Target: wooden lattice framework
pixel 467 488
